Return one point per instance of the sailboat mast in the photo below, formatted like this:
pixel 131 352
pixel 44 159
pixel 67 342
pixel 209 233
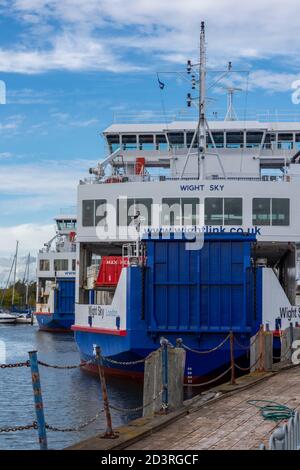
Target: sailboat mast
pixel 202 90
pixel 15 275
pixel 27 279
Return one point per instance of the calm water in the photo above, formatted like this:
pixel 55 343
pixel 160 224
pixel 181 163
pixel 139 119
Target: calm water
pixel 70 396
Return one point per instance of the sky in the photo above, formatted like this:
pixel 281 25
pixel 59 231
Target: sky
pixel 72 67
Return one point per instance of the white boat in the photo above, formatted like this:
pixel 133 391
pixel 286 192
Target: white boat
pixel 6 317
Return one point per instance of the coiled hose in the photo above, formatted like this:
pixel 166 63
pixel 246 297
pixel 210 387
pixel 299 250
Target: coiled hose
pixel 272 411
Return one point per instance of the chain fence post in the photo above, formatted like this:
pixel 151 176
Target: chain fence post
pixel 109 433
pixel 232 380
pixel 165 395
pixel 38 399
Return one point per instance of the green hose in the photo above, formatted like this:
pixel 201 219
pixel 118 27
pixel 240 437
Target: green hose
pixel 273 411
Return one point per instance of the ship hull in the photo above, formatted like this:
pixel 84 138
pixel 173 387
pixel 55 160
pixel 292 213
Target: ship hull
pixel 122 349
pixel 53 323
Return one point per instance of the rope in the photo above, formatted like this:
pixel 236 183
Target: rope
pixel 210 350
pixel 138 408
pixel 273 411
pixel 210 381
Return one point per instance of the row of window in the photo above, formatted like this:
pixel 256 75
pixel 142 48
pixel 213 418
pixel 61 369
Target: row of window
pixel 185 211
pixel 58 265
pixel 231 139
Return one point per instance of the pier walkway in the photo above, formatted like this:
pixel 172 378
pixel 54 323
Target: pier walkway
pixel 230 422
pixel 221 418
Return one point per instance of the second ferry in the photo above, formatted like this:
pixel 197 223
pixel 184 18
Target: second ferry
pixel 56 268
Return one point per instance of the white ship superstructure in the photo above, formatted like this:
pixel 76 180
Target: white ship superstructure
pixel 56 268
pixel 222 176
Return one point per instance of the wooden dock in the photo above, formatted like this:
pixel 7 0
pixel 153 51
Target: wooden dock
pixel 219 419
pixel 229 423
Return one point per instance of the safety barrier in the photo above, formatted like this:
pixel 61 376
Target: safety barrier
pixel 285 437
pixel 162 395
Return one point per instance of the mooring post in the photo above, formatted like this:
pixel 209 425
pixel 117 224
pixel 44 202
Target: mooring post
pixel 165 395
pixel 38 399
pixel 232 380
pixel 109 433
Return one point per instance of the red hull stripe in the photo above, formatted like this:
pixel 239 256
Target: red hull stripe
pixel 43 313
pixel 105 331
pixel 137 375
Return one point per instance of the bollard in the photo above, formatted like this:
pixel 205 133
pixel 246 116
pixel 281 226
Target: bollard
pixel 165 398
pixel 109 433
pixel 38 399
pixel 232 380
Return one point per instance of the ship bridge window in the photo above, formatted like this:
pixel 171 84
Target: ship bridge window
pixel 189 138
pixel 267 211
pixel 254 139
pixel 113 141
pixel 223 211
pixel 297 139
pixel 44 265
pixel 270 141
pixel 285 141
pixel 60 265
pixel 218 139
pixel 180 212
pixel 93 212
pixel 134 212
pixel 176 139
pixel 129 142
pixel 161 141
pixel 146 142
pixel 73 264
pixel 66 224
pixel 234 139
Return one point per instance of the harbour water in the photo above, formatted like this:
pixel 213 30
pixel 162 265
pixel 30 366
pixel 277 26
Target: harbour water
pixel 70 396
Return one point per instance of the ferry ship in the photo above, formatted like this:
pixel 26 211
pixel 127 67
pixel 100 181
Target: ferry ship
pixel 146 271
pixel 56 267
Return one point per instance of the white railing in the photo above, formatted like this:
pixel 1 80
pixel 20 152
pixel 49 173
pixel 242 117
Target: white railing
pixel 286 437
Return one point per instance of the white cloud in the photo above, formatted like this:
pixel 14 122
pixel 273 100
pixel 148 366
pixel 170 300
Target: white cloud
pixel 100 34
pixel 31 238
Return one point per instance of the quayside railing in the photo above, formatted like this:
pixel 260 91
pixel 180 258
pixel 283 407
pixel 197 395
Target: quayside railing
pixel 257 349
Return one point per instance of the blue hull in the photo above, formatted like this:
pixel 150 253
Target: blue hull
pixel 54 323
pixel 198 367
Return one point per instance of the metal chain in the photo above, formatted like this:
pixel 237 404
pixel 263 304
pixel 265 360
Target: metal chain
pixel 124 363
pixel 19 428
pixel 80 427
pixel 210 381
pixel 138 408
pixel 209 351
pixel 41 363
pixel 17 364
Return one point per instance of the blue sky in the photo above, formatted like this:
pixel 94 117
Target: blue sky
pixel 70 66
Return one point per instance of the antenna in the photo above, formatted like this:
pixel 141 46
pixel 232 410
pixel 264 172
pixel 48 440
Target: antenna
pixel 231 114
